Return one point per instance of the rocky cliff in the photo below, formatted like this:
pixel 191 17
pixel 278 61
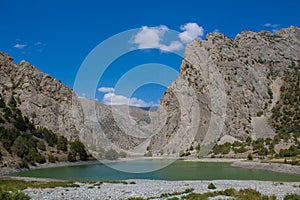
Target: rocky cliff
pixel 47 102
pixel 226 89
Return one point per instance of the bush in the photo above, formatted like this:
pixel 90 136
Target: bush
pixel 250 157
pixel 111 154
pixel 78 149
pixel 181 153
pixel 292 197
pixel 211 186
pixel 222 149
pixel 62 143
pixel 41 145
pixel 2 121
pixel 71 157
pixel 13 196
pixel 49 136
pixel 20 123
pixel 51 159
pixel 22 145
pixel 263 151
pixel 122 154
pixel 2 103
pixel 259 113
pixel 40 158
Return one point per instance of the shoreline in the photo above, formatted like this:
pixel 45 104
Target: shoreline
pixel 274 167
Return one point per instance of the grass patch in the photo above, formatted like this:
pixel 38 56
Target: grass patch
pixel 8 184
pixel 186 191
pixel 242 194
pixel 4 195
pixel 292 197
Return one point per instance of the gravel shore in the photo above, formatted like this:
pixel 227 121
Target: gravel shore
pixel 154 188
pixel 275 167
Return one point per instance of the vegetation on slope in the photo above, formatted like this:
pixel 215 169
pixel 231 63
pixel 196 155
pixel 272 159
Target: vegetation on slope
pixel 27 144
pixel 286 113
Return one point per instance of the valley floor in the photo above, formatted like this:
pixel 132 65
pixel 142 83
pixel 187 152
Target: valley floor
pixel 155 188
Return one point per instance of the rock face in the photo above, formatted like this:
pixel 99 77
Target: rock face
pixel 49 103
pixel 223 85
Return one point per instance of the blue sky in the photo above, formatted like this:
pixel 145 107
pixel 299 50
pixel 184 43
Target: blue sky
pixel 56 36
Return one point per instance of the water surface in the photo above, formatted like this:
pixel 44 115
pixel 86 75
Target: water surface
pixel 179 170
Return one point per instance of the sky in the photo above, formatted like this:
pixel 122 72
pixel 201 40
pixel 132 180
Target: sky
pixel 60 37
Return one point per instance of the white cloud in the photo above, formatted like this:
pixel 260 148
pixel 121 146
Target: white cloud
pixel 153 37
pixel 150 37
pixel 40 44
pixel 270 25
pixel 191 31
pixel 113 99
pixel 82 96
pixel 174 46
pixel 106 89
pixel 20 46
pixel 274 27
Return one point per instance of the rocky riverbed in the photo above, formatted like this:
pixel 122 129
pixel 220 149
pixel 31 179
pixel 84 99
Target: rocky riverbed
pixel 154 188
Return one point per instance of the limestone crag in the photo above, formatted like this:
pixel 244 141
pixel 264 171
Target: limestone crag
pixel 223 85
pixel 51 104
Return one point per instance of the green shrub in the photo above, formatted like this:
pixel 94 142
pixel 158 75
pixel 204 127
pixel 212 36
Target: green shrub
pixel 71 157
pixel 62 143
pixel 250 157
pixel 2 103
pixel 259 113
pixel 211 186
pixel 77 148
pixel 122 154
pixel 4 195
pixel 51 159
pixel 222 149
pixel 292 197
pixel 41 145
pixel 111 154
pixel 22 145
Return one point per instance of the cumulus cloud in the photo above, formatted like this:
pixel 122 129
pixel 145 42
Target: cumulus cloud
pixel 20 46
pixel 110 98
pixel 191 31
pixel 113 99
pixel 106 89
pixel 150 37
pixel 153 37
pixel 174 46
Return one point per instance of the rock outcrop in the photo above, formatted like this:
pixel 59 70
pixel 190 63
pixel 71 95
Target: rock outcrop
pixel 223 87
pixel 49 103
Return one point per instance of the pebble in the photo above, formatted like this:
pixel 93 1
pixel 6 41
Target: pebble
pixel 154 188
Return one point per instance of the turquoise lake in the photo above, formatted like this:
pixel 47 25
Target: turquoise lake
pixel 178 170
